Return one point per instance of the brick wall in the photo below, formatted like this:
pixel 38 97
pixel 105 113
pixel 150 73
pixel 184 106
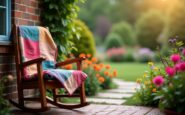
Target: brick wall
pixel 24 12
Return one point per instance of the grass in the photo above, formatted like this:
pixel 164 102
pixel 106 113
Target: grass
pixel 129 71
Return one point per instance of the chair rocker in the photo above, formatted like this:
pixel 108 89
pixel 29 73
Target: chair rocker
pixel 40 82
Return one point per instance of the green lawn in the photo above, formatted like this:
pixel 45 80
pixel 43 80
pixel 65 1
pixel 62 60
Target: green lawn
pixel 129 71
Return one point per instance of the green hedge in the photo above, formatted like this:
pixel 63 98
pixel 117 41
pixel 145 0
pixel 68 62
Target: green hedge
pixel 113 41
pixel 148 28
pixel 125 31
pixel 177 21
pixel 85 44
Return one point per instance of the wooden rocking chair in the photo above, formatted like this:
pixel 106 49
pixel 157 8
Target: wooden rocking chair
pixel 41 83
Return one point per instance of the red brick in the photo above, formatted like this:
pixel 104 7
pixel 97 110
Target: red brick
pixel 26 2
pixel 34 4
pixel 23 22
pixel 30 10
pixel 35 18
pixel 20 7
pixel 26 16
pixel 18 1
pixel 17 14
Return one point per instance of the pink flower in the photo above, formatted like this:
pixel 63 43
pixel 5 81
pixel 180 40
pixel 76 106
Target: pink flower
pixel 182 66
pixel 158 80
pixel 177 67
pixel 170 71
pixel 175 58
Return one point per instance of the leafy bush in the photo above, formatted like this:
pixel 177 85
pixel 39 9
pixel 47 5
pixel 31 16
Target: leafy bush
pixel 85 43
pixel 144 55
pixel 129 57
pixel 113 41
pixel 115 54
pixel 97 72
pixel 176 20
pixel 164 86
pixel 148 28
pixel 99 75
pixel 61 23
pixel 4 105
pixel 92 85
pixel 125 31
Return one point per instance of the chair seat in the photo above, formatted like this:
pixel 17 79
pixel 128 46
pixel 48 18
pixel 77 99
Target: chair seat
pixel 35 78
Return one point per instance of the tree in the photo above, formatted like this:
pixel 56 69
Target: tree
pixel 148 28
pixel 125 31
pixel 177 20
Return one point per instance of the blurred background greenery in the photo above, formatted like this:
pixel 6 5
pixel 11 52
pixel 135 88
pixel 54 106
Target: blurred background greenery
pixel 129 33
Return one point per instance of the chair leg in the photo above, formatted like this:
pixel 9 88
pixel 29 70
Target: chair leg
pixel 20 96
pixel 82 94
pixel 42 91
pixel 42 87
pixel 55 93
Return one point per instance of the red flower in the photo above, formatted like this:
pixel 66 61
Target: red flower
pixel 182 66
pixel 175 58
pixel 177 67
pixel 158 80
pixel 170 71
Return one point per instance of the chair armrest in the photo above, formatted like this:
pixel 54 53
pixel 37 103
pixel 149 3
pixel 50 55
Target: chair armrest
pixel 34 61
pixel 75 60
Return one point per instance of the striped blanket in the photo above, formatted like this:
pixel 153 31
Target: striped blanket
pixel 37 42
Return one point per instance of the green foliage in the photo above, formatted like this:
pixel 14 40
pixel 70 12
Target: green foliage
pixel 147 91
pixel 92 85
pixel 92 9
pixel 128 57
pixel 125 31
pixel 148 28
pixel 58 15
pixel 170 93
pixel 108 83
pixel 85 43
pixel 4 107
pixel 99 76
pixel 113 41
pixel 176 20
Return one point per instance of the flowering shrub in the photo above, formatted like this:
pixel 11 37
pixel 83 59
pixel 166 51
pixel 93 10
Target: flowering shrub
pixel 165 86
pixel 116 54
pixel 99 74
pixel 144 55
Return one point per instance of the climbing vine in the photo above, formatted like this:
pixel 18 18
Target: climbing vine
pixel 58 15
